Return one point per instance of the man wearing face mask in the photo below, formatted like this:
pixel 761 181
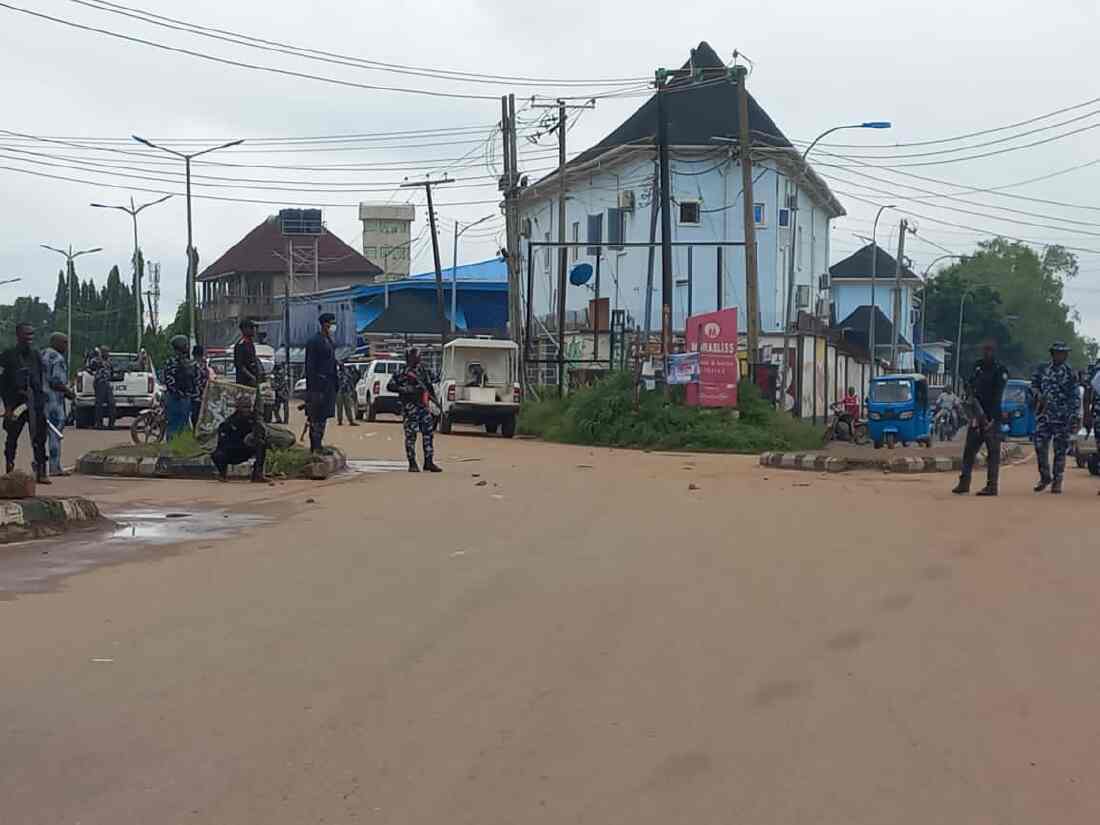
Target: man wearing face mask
pixel 22 387
pixel 322 380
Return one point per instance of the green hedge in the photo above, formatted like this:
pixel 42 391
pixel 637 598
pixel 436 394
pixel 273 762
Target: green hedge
pixel 604 415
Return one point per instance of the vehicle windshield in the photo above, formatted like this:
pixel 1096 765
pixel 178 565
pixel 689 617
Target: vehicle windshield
pixel 1015 394
pixel 892 392
pixel 126 363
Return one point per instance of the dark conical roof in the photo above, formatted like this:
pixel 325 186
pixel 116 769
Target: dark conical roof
pixel 858 264
pixel 699 109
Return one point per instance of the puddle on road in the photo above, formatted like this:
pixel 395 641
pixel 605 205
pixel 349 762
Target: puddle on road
pixel 374 466
pixel 38 566
pixel 153 527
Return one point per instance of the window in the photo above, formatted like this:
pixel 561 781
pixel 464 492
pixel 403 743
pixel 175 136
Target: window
pixel 760 214
pixel 690 213
pixel 784 218
pixel 546 253
pixel 615 228
pixel 595 234
pixel 802 297
pixel 394 367
pixel 380 367
pixel 891 392
pixel 576 250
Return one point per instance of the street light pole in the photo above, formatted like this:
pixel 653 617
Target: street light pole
pixel 454 267
pixel 70 274
pixel 133 211
pixel 874 275
pixel 187 158
pixel 793 208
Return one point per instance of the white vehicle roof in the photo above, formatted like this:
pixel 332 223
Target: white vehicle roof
pixel 481 343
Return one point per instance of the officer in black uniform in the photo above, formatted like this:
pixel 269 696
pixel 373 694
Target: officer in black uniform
pixel 322 380
pixel 985 386
pixel 240 437
pixel 22 388
pixel 414 386
pixel 246 364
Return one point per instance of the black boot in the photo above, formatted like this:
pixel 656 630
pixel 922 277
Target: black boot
pixel 963 487
pixel 987 491
pixel 1056 487
pixel 431 467
pixel 9 467
pixel 1044 482
pixel 41 476
pixel 412 466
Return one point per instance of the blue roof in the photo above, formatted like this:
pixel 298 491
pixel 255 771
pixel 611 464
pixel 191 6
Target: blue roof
pixel 927 358
pixel 494 269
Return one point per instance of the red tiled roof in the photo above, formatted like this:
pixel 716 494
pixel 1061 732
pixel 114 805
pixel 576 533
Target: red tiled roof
pixel 263 250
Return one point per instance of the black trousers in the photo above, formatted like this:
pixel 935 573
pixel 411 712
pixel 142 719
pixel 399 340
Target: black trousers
pixel 14 428
pixel 225 456
pixel 104 403
pixel 975 438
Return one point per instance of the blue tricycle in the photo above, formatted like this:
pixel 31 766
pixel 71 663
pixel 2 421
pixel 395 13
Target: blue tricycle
pixel 1017 409
pixel 898 411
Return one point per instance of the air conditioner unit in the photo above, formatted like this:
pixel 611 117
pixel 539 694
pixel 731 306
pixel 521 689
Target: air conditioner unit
pixel 626 200
pixel 823 281
pixel 525 228
pixel 802 297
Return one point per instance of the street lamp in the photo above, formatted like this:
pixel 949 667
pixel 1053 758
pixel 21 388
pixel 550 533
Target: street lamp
pixel 133 212
pixel 187 158
pixel 10 281
pixel 874 275
pixel 454 267
pixel 70 273
pixel 793 207
pixel 923 294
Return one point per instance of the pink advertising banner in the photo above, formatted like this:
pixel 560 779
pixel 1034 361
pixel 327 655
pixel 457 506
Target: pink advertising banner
pixel 714 336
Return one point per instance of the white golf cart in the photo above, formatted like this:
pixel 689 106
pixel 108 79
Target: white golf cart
pixel 479 384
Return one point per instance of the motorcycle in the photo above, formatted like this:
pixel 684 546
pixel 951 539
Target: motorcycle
pixel 843 427
pixel 150 425
pixel 945 425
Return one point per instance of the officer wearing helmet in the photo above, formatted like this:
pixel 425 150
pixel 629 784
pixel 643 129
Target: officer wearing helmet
pixel 180 385
pixel 1054 387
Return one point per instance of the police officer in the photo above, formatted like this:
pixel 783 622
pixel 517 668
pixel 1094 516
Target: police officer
pixel 1055 388
pixel 322 380
pixel 102 373
pixel 249 371
pixel 986 385
pixel 414 386
pixel 22 387
pixel 179 386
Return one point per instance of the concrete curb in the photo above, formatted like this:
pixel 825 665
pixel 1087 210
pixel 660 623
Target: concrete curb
pixel 25 518
pixel 818 462
pixel 200 468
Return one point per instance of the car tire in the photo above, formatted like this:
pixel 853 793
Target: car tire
pixel 360 413
pixel 445 424
pixel 371 414
pixel 508 427
pixel 1094 464
pixel 492 428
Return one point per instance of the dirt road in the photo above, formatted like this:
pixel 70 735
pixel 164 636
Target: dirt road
pixel 581 639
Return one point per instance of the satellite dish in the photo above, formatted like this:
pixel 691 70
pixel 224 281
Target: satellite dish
pixel 580 274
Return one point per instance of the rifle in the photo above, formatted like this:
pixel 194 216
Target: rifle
pixel 976 413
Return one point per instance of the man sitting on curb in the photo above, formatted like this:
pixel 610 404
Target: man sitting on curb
pixel 241 437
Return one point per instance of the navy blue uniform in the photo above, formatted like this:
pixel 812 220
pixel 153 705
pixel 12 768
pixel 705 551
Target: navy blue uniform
pixel 322 384
pixel 22 384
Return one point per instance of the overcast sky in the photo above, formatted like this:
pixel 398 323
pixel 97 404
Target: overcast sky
pixel 935 69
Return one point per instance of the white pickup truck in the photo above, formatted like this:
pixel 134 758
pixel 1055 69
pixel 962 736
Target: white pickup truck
pixel 479 384
pixel 135 389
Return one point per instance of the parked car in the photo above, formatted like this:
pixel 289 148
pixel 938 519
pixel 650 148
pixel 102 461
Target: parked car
pixel 135 389
pixel 479 384
pixel 371 395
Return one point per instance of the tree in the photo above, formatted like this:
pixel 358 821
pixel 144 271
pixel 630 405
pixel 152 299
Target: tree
pixel 1011 295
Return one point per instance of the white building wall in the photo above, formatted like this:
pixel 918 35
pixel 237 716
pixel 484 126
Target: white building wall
pixel 715 184
pixel 848 297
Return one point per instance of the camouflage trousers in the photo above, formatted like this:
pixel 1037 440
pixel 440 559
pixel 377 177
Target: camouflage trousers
pixel 418 419
pixel 1051 432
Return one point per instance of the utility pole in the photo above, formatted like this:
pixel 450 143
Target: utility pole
pixel 70 274
pixel 511 218
pixel 654 209
pixel 563 252
pixel 904 228
pixel 428 184
pixel 133 211
pixel 192 255
pixel 666 218
pixel 752 279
